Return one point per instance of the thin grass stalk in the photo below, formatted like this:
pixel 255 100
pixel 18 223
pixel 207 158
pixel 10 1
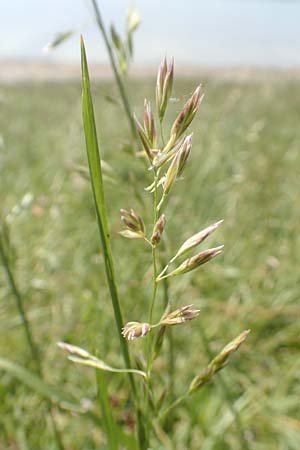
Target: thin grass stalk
pixel 108 421
pixel 173 405
pixel 94 162
pixel 171 355
pixel 155 217
pixel 225 391
pixel 28 334
pixel 119 81
pixel 56 432
pixel 166 300
pixel 19 304
pixel 151 308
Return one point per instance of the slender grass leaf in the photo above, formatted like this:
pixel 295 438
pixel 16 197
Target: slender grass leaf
pixel 98 193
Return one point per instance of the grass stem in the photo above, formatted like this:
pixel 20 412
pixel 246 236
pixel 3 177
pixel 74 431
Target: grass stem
pixel 119 81
pixel 151 308
pixel 108 421
pixel 171 361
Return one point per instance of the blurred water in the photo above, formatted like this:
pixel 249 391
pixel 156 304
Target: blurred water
pixel 215 32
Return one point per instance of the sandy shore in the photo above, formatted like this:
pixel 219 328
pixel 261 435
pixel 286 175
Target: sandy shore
pixel 27 71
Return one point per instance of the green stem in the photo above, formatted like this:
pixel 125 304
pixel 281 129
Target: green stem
pixel 226 392
pixel 154 291
pixel 161 202
pixel 151 309
pixel 173 405
pixel 118 78
pixel 30 341
pixel 155 218
pixel 112 436
pixel 171 343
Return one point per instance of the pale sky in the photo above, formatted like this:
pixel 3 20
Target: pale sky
pixel 200 32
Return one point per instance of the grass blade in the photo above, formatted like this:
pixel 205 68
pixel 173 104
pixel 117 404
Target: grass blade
pixel 98 193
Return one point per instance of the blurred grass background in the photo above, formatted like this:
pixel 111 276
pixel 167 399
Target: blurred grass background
pixel 244 168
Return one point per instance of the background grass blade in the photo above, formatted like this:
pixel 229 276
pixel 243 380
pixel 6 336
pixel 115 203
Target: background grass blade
pixel 28 333
pixel 40 386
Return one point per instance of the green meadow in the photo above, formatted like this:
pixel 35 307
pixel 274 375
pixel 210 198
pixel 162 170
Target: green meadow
pixel 244 168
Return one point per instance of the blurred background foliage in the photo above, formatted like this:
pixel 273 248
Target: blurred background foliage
pixel 244 168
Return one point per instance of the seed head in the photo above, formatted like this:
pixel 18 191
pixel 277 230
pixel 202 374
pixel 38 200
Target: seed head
pixel 164 86
pixel 195 261
pixel 187 114
pixel 162 157
pixel 133 19
pixel 158 230
pixel 218 362
pixel 74 350
pixel 171 174
pixel 134 224
pixel 196 239
pixel 178 162
pixel 149 125
pixel 134 330
pixel 180 315
pixel 144 139
pixel 184 153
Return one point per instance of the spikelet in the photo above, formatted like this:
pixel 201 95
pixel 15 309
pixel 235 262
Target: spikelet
pixel 164 86
pixel 158 230
pixel 197 239
pixel 135 228
pixel 218 362
pixel 180 315
pixel 134 330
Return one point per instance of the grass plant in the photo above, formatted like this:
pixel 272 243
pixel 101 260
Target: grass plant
pixel 176 153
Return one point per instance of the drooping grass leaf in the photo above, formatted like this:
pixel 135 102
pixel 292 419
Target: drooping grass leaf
pixel 81 356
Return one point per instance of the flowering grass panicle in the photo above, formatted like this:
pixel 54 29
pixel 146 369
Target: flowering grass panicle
pixel 167 163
